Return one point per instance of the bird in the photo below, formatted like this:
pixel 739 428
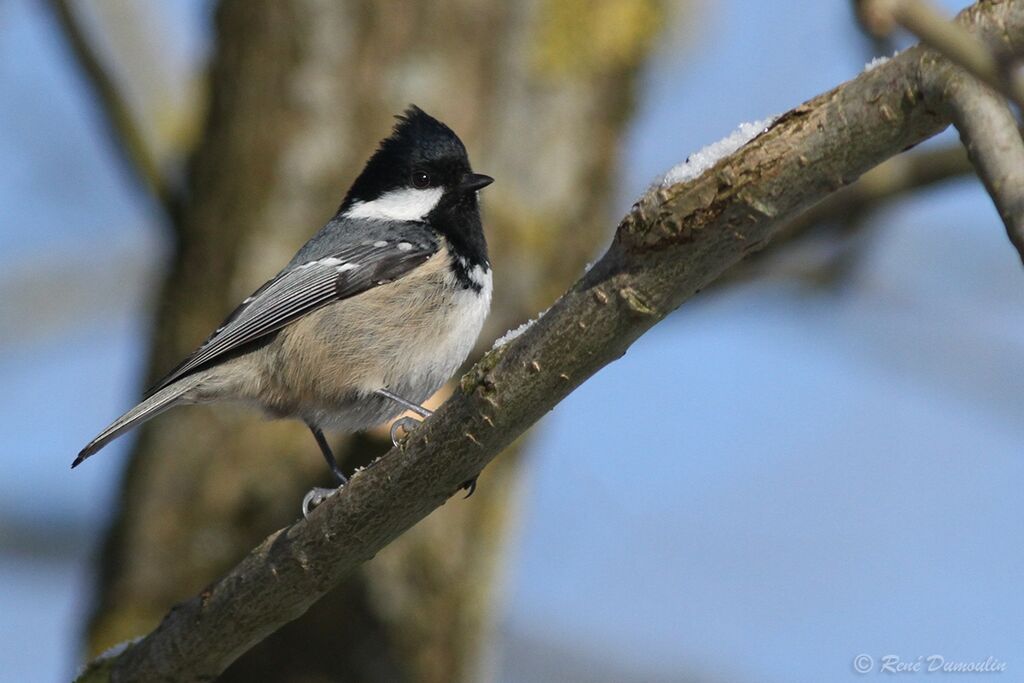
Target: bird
pixel 369 318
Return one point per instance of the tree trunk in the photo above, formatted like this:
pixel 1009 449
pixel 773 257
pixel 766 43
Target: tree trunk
pixel 301 91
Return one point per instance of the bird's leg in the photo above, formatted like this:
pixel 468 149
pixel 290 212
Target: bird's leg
pixel 407 423
pixel 325 448
pixel 318 494
pixel 408 405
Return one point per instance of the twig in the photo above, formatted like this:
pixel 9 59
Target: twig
pixel 990 134
pixel 674 242
pixel 881 41
pixel 926 22
pixel 122 130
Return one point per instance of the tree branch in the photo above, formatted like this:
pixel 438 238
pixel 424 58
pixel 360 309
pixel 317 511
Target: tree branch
pixel 926 22
pixel 990 134
pixel 674 242
pixel 887 182
pixel 122 130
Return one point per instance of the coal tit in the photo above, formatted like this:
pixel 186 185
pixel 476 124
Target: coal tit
pixel 372 315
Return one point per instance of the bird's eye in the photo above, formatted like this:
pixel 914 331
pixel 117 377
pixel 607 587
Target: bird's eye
pixel 420 179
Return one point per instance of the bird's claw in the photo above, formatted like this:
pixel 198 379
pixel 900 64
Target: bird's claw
pixel 407 423
pixel 315 497
pixel 469 486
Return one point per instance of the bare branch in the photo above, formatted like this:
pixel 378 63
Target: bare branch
pixel 990 134
pixel 955 43
pixel 896 178
pixel 674 242
pixel 122 130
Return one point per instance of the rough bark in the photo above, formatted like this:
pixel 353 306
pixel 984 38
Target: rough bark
pixel 674 242
pixel 301 90
pixel 842 214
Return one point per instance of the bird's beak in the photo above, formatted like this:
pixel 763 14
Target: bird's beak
pixel 471 182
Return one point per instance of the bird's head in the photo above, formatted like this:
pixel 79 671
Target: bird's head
pixel 420 170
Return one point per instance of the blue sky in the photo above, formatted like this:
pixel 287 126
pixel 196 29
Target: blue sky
pixel 773 481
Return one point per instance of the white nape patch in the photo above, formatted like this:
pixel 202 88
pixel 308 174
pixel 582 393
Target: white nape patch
pixel 408 204
pixel 515 332
pixel 404 246
pixel 705 158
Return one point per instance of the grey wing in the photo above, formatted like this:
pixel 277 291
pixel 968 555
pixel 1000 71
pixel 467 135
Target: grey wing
pixel 303 288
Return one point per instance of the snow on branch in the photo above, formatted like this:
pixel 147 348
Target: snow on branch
pixel 706 157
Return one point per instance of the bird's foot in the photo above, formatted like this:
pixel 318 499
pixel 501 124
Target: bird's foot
pixel 315 497
pixel 408 424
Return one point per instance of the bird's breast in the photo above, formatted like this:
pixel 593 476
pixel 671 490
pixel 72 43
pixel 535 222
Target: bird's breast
pixel 409 336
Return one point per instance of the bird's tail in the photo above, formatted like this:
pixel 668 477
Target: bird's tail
pixel 166 398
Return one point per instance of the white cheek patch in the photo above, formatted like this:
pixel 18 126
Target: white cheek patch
pixel 408 204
